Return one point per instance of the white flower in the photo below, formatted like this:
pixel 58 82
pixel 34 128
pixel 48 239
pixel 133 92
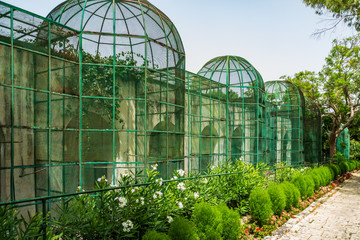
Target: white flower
pixel 181 186
pixel 142 201
pixel 134 189
pixel 160 181
pixel 196 195
pixel 213 167
pixel 205 180
pixel 181 172
pixel 173 178
pixel 128 225
pixel 302 170
pixel 180 205
pixel 122 200
pixel 185 199
pixel 105 180
pixel 154 167
pixel 126 173
pixel 99 179
pixel 79 188
pixel 157 194
pixel 170 219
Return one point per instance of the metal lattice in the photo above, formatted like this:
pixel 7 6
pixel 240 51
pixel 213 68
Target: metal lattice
pixel 285 122
pixel 242 108
pixel 96 88
pixel 312 133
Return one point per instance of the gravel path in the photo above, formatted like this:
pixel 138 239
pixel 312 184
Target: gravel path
pixel 335 216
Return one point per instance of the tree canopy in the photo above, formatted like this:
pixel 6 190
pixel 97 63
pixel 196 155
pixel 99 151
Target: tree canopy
pixel 347 11
pixel 336 88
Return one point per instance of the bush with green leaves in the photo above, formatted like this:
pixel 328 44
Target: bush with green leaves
pixel 278 198
pixel 317 179
pixel 344 167
pixel 260 205
pixel 310 185
pixel 292 194
pixel 230 221
pixel 154 235
pixel 13 226
pixel 301 184
pixel 336 169
pixel 208 221
pixel 181 228
pixel 234 190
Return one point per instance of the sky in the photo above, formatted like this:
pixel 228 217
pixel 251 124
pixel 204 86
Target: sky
pixel 275 36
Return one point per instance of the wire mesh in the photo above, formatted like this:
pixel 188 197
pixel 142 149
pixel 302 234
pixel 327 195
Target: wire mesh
pixel 243 103
pixel 285 122
pixel 343 143
pixel 312 133
pixel 95 89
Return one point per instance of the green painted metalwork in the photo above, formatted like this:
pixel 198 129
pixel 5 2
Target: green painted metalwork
pixel 99 87
pixel 312 132
pixel 242 94
pixel 343 143
pixel 83 91
pixel 286 109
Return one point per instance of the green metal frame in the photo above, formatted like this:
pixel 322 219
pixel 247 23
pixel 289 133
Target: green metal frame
pixel 312 132
pixel 88 94
pixel 77 109
pixel 343 143
pixel 242 94
pixel 285 121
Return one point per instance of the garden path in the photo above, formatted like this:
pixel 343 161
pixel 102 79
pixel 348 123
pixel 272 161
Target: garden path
pixel 335 216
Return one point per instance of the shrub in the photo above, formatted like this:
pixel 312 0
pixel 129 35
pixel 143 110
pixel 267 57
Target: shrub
pixel 208 221
pixel 296 194
pixel 300 183
pixel 289 193
pixel 332 173
pixel 181 228
pixel 234 190
pixel 316 179
pixel 231 222
pixel 336 169
pixel 260 205
pixel 278 198
pixel 344 167
pixel 310 185
pixel 153 235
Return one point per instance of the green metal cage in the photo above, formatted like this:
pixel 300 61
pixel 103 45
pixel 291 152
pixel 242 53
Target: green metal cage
pixel 343 143
pixel 96 88
pixel 312 133
pixel 241 90
pixel 99 88
pixel 285 121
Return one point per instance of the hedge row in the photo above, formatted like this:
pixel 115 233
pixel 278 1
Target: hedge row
pixel 278 197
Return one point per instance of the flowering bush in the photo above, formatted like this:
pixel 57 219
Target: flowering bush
pixel 234 190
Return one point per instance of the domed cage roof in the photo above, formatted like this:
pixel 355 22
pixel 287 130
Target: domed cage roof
pixel 285 95
pixel 232 71
pixel 124 28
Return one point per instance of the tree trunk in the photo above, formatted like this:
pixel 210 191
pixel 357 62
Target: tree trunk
pixel 332 143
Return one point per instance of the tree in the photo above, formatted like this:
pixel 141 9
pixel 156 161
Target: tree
pixel 347 11
pixel 336 88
